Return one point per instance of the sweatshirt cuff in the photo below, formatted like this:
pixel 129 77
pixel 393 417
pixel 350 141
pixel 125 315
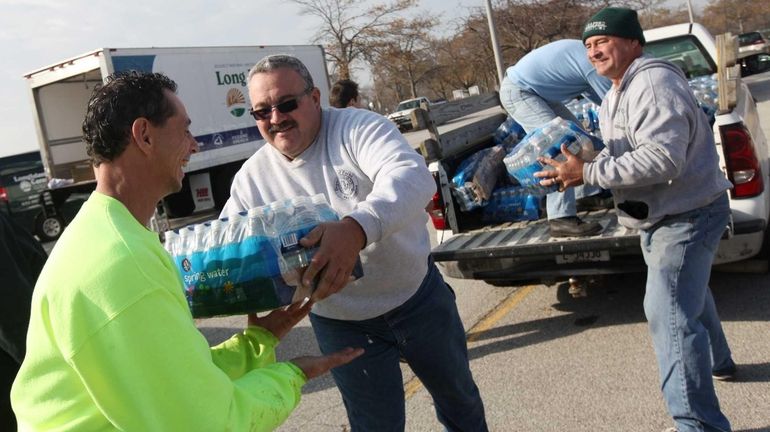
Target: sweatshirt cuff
pixel 298 371
pixel 261 334
pixel 368 223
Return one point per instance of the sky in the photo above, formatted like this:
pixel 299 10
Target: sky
pixel 37 33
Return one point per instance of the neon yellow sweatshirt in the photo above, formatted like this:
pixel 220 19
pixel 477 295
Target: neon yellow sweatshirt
pixel 112 344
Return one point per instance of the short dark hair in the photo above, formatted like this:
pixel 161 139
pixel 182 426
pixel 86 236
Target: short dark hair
pixel 343 91
pixel 114 105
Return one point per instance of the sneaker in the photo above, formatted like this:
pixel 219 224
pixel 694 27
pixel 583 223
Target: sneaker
pixel 573 226
pixel 726 373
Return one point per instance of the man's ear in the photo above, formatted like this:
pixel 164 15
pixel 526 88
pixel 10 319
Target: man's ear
pixel 315 94
pixel 140 135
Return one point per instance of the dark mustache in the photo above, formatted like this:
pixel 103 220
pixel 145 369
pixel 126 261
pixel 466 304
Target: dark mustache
pixel 281 126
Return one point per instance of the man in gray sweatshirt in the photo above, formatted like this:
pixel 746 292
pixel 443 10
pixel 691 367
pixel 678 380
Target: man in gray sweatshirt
pixel 662 167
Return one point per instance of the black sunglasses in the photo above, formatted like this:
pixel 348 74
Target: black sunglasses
pixel 283 107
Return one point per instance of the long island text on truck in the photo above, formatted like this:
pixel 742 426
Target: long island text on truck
pixel 472 247
pixel 211 83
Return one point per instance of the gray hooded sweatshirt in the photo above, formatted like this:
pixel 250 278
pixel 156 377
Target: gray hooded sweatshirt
pixel 660 158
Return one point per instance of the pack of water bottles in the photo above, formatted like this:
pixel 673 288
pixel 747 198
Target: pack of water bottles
pixel 587 113
pixel 521 163
pixel 706 91
pixel 476 177
pixel 508 133
pixel 250 261
pixel 511 203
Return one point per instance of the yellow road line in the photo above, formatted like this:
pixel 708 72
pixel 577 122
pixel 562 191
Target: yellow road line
pixel 502 309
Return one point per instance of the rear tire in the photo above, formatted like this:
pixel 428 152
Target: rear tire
pixel 48 228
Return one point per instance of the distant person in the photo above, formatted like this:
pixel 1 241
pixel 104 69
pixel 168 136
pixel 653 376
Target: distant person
pixel 21 259
pixel 401 307
pixel 663 169
pixel 344 94
pixel 533 92
pixel 112 344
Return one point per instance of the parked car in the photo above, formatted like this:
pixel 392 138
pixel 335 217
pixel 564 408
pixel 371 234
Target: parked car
pixel 752 43
pixel 22 178
pixel 754 64
pixel 22 182
pixel 402 116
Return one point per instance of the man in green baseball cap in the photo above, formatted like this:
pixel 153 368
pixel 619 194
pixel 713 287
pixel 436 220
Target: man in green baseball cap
pixel 662 167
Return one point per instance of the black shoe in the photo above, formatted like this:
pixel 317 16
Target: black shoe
pixel 727 373
pixel 573 226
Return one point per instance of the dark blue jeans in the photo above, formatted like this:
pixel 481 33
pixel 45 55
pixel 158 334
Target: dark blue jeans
pixel 428 333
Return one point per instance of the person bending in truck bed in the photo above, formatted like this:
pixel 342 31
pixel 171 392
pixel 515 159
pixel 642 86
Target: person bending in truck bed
pixel 533 92
pixel 344 94
pixel 112 344
pixel 663 169
pixel 401 307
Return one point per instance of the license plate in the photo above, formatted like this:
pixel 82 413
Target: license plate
pixel 587 256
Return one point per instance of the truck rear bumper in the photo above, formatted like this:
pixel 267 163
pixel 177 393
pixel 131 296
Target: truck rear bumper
pixel 526 251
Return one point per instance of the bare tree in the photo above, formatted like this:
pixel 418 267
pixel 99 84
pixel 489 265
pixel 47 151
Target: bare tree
pixel 347 27
pixel 736 16
pixel 404 49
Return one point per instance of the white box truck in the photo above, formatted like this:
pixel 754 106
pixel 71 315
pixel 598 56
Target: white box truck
pixel 211 83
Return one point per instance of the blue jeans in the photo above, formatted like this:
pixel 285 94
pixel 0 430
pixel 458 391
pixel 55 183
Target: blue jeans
pixel 531 112
pixel 426 331
pixel 686 331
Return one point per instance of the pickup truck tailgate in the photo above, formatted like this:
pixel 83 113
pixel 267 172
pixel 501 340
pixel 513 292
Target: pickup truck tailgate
pixel 526 249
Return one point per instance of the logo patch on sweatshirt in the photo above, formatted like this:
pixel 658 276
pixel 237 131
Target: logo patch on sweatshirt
pixel 346 185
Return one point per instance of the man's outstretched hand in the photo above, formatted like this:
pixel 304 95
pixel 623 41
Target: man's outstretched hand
pixel 280 321
pixel 315 366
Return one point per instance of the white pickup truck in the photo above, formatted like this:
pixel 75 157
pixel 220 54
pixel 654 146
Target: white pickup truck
pixel 497 253
pixel 402 116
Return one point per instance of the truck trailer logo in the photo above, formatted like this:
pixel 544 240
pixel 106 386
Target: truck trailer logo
pixel 236 102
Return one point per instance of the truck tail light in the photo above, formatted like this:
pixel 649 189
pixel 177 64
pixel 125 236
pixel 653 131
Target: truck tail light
pixel 436 212
pixel 743 168
pixel 3 194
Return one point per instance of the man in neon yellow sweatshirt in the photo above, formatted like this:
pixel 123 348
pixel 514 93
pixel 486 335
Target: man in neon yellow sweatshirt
pixel 112 344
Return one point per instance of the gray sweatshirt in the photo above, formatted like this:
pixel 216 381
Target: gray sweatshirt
pixel 366 170
pixel 660 157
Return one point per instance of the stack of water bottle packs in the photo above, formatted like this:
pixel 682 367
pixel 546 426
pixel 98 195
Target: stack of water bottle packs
pixel 522 163
pixel 476 177
pixel 706 91
pixel 251 261
pixel 481 182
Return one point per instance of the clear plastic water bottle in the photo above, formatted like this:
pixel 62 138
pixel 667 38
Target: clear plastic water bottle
pixel 325 211
pixel 236 228
pixel 214 240
pixel 171 243
pixel 298 224
pixel 257 251
pixel 186 237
